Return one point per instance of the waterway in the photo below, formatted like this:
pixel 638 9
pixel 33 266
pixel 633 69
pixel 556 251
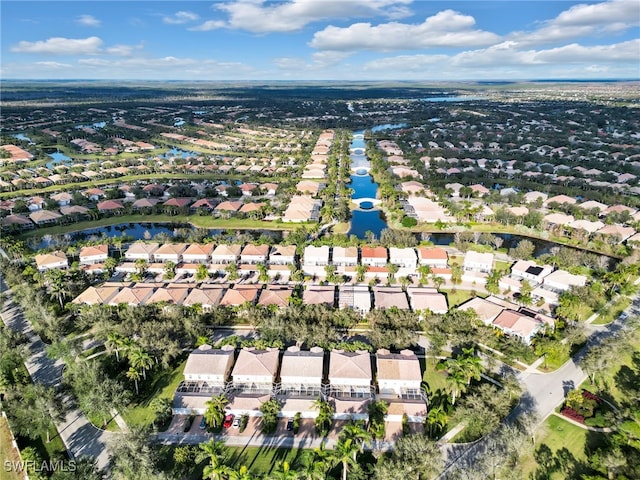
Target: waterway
pixel 144 231
pixel 366 219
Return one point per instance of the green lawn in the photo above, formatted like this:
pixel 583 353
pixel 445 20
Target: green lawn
pixel 606 379
pixel 612 312
pixel 7 453
pixel 459 296
pixel 164 386
pixel 556 433
pixel 434 378
pixel 260 460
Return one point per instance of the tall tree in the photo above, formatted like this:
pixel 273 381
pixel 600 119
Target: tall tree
pixel 413 457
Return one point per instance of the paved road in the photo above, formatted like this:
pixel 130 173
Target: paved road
pixel 543 392
pixel 78 434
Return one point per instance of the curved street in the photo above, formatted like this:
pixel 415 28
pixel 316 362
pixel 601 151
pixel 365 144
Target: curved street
pixel 78 434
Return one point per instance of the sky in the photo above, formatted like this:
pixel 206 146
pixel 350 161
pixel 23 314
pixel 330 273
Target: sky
pixel 316 40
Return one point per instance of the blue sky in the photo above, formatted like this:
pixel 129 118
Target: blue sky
pixel 320 40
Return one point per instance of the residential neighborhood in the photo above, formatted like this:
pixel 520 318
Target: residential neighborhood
pixel 374 273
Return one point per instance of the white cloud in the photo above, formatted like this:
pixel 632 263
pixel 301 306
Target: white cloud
pixel 447 28
pixel 88 21
pixel 60 46
pixel 259 17
pixel 208 26
pixel 123 50
pixel 54 65
pixel 584 21
pixel 74 46
pixel 507 53
pixel 181 17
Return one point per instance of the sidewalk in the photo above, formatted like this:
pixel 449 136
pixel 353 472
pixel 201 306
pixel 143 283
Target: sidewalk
pixel 79 436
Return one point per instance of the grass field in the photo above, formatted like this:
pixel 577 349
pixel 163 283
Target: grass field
pixel 558 434
pixel 164 386
pixel 459 296
pixel 612 312
pixel 261 460
pixel 7 453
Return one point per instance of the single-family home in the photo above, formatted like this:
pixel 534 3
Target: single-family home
pixel 198 253
pixel 388 297
pixel 345 257
pixel 277 295
pixel 350 377
pixel 240 294
pixel 319 294
pixel 315 259
pixel 486 310
pixel 133 296
pixel 97 295
pixel 373 256
pixel 224 254
pixel 561 281
pixel 357 297
pixel 48 261
pixel 433 257
pixel 530 271
pixel 398 374
pixel 255 370
pixel 170 252
pixel 518 325
pixel 405 258
pixel 207 296
pixel 141 250
pixel 425 298
pixel 253 254
pixel 94 254
pixel 283 255
pixel 43 217
pixel 301 372
pixel 206 374
pixel 478 262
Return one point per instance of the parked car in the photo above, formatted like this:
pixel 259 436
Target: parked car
pixel 203 423
pixel 228 420
pixel 290 425
pixel 236 422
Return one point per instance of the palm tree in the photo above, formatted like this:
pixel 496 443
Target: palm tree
pixel 56 285
pixel 241 474
pixel 345 452
pixel 213 451
pixel 456 384
pixel 360 272
pixel 424 271
pixel 140 359
pixel 313 464
pixel 114 342
pixel 141 266
pixel 357 433
pixel 214 415
pixel 202 273
pixel 134 374
pixel 283 472
pixel 436 417
pixel 325 415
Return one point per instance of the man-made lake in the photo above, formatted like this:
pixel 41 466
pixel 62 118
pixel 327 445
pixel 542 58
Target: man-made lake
pixel 451 99
pixel 177 152
pixel 59 158
pixel 23 137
